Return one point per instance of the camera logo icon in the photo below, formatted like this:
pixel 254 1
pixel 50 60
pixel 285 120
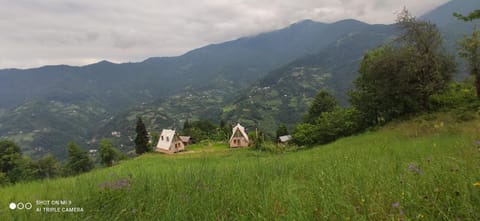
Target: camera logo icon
pixel 20 206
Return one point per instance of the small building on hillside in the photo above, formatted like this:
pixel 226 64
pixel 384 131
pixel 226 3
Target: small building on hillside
pixel 169 142
pixel 186 140
pixel 284 139
pixel 239 138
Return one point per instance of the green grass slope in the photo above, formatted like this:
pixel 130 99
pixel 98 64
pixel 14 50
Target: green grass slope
pixel 424 169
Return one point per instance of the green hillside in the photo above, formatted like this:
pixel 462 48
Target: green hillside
pixel 225 80
pixel 427 168
pixel 282 97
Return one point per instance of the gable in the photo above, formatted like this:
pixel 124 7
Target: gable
pixel 239 131
pixel 166 138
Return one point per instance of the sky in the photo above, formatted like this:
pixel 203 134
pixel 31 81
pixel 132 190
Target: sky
pixel 79 32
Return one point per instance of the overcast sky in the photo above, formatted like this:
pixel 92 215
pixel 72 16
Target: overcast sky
pixel 79 32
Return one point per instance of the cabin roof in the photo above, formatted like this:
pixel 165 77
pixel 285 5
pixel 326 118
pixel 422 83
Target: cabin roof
pixel 168 137
pixel 241 129
pixel 185 138
pixel 285 138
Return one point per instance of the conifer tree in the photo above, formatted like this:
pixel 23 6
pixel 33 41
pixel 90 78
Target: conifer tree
pixel 141 141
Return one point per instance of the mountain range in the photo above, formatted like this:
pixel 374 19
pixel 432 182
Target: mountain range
pixel 262 80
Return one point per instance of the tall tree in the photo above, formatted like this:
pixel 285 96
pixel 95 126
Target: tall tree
pixel 141 141
pixel 399 79
pixel 470 48
pixel 281 131
pixel 432 66
pixel 186 125
pixel 154 136
pixel 470 51
pixel 323 102
pixel 77 160
pixel 106 152
pixel 48 167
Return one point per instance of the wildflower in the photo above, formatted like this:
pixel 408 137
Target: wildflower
pixel 120 183
pixel 420 216
pixel 476 184
pixel 396 205
pixel 477 142
pixel 413 168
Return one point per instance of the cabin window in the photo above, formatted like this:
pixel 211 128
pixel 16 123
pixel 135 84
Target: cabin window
pixel 167 139
pixel 162 138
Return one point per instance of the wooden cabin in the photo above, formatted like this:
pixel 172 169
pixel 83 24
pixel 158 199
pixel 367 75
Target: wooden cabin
pixel 284 139
pixel 169 142
pixel 239 138
pixel 186 140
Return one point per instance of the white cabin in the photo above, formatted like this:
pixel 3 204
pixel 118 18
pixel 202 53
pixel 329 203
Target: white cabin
pixel 169 142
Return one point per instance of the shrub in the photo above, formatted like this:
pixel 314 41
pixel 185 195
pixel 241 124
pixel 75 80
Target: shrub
pixel 456 96
pixel 328 127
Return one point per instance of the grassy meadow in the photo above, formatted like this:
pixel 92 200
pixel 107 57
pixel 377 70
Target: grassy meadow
pixel 424 169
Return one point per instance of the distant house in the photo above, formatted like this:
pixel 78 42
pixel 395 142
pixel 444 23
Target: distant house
pixel 186 140
pixel 169 142
pixel 93 153
pixel 284 139
pixel 239 138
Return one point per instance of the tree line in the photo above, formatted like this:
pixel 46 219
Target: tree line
pixel 16 167
pixel 412 74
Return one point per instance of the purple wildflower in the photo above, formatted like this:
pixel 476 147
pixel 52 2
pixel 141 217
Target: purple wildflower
pixel 413 168
pixel 477 142
pixel 396 205
pixel 120 183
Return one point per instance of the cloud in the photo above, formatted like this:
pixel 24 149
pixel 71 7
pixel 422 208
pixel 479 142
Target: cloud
pixel 41 32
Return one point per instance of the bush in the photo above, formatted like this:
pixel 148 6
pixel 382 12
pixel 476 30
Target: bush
pixel 456 96
pixel 4 180
pixel 305 134
pixel 328 127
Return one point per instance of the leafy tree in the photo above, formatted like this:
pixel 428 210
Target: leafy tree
pixel 4 180
pixel 431 67
pixel 203 130
pixel 154 139
pixel 47 167
pixel 141 141
pixel 399 79
pixel 335 124
pixel 470 51
pixel 258 139
pixel 323 102
pixel 77 160
pixel 10 154
pixel 186 125
pixel 304 134
pixel 223 130
pixel 281 131
pixel 222 124
pixel 328 127
pixel 25 170
pixel 106 152
pixel 470 17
